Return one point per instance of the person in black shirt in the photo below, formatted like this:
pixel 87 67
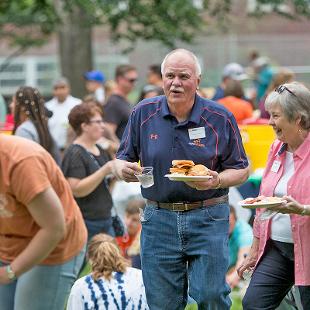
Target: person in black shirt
pixel 88 168
pixel 117 108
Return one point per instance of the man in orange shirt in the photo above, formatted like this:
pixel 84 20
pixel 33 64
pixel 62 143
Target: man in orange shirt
pixel 233 94
pixel 42 233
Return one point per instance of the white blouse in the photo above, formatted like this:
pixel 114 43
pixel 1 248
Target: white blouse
pixel 281 229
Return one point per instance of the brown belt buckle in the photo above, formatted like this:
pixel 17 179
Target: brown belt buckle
pixel 177 206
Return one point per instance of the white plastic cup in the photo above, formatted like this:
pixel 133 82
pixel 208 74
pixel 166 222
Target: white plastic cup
pixel 145 177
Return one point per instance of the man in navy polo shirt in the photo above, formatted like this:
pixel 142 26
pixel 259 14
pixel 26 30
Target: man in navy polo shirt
pixel 184 241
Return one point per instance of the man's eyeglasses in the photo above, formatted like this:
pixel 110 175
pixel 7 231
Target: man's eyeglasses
pixel 280 89
pixel 60 86
pixel 133 80
pixel 97 121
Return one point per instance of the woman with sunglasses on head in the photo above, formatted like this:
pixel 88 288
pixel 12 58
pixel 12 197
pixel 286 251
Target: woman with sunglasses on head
pixel 280 253
pixel 31 119
pixel 87 167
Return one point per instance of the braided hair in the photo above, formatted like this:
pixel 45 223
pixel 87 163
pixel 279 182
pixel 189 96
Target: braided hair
pixel 30 101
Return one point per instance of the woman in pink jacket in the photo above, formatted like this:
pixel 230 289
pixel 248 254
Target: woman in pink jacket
pixel 280 253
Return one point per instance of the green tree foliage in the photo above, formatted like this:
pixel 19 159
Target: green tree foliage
pixel 161 20
pixel 29 22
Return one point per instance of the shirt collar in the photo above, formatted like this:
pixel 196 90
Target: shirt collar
pixel 283 148
pixel 302 150
pixel 196 110
pixel 164 107
pixel 195 114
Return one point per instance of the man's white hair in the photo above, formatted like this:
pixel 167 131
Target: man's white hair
pixel 197 64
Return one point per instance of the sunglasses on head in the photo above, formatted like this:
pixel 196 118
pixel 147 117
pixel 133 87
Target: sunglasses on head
pixel 280 89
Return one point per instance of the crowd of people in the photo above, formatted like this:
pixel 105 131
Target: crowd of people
pixel 56 192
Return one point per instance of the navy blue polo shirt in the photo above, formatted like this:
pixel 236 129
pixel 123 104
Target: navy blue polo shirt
pixel 155 137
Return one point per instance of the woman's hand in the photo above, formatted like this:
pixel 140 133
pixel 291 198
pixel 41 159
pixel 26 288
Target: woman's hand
pixel 233 279
pixel 4 279
pixel 248 264
pixel 250 260
pixel 85 186
pixel 289 206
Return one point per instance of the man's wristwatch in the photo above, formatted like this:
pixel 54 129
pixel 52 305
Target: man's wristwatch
pixel 218 185
pixel 10 273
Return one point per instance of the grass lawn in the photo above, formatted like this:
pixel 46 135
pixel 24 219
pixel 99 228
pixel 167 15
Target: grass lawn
pixel 236 303
pixel 236 299
pixel 86 270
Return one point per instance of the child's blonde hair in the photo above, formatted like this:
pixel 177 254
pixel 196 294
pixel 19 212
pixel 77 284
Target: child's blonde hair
pixel 105 257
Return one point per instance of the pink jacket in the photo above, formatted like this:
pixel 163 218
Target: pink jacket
pixel 299 188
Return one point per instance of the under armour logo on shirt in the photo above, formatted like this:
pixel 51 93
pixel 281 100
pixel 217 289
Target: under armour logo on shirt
pixel 153 136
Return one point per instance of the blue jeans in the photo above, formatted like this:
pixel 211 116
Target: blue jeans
pixel 273 278
pixel 42 287
pixel 185 253
pixel 95 227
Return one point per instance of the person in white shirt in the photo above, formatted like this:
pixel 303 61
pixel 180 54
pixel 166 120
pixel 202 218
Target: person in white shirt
pixel 61 105
pixel 112 284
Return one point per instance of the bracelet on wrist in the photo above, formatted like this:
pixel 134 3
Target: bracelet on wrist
pixel 304 211
pixel 10 273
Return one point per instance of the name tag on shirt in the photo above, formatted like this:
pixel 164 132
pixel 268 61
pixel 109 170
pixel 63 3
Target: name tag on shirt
pixel 197 133
pixel 275 166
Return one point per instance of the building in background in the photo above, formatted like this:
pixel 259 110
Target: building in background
pixel 285 42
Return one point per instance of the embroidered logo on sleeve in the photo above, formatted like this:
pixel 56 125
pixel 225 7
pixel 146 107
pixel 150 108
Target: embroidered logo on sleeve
pixel 3 203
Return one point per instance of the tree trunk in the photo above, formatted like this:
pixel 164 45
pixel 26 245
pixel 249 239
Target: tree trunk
pixel 75 48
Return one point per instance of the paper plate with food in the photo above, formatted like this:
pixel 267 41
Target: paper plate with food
pixel 261 202
pixel 187 171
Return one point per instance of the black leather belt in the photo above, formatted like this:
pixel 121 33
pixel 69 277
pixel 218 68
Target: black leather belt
pixel 186 206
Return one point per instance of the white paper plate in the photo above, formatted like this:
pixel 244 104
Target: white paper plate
pixel 259 204
pixel 187 178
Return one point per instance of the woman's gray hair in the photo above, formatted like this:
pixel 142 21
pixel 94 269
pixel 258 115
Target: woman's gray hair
pixel 294 99
pixel 196 61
